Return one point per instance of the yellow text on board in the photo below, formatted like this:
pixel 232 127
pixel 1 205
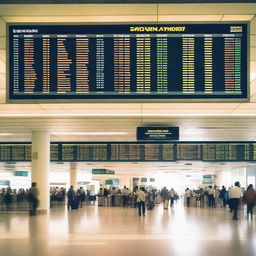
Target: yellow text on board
pixel 157 29
pixel 158 131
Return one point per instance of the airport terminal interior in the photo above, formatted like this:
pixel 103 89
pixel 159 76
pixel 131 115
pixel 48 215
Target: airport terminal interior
pixel 120 99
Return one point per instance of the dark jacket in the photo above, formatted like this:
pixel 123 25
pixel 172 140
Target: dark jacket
pixel 71 194
pixel 249 196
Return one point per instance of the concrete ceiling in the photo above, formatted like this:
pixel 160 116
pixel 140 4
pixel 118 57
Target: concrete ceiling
pixel 133 168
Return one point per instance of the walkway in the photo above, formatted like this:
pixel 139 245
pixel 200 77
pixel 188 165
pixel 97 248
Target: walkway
pixel 116 231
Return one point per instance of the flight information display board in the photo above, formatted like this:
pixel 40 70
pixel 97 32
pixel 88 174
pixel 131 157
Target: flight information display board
pixel 163 61
pixel 132 151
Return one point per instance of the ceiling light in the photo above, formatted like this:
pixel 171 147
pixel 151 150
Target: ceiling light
pixel 129 115
pixel 11 134
pixel 89 133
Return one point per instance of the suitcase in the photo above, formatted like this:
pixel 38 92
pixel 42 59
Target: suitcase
pixel 74 204
pixel 150 205
pixel 106 202
pixel 193 201
pixel 158 200
pixel 100 200
pixel 118 200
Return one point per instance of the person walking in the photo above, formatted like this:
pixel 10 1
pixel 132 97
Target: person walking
pixel 70 195
pixel 235 194
pixel 82 196
pixel 125 196
pixel 141 199
pixel 249 197
pixel 8 197
pixel 223 196
pixel 172 196
pixel 211 195
pixel 33 199
pixel 113 196
pixel 165 196
pixel 188 195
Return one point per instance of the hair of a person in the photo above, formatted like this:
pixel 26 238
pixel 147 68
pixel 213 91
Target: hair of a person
pixel 237 183
pixel 33 184
pixel 250 186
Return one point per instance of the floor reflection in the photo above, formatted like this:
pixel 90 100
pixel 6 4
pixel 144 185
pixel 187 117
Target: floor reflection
pixel 94 230
pixel 39 234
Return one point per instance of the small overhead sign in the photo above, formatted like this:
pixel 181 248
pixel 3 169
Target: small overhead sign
pixel 4 183
pixel 102 171
pixel 157 133
pixel 21 173
pixel 112 182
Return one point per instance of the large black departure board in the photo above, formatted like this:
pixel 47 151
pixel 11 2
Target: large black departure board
pixel 163 61
pixel 133 151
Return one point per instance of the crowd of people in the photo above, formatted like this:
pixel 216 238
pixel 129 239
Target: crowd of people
pixel 125 197
pixel 208 196
pixel 77 198
pixel 19 198
pixel 141 198
pixel 231 197
pixel 9 195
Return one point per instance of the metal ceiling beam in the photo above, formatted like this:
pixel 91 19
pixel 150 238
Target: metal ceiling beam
pixel 121 1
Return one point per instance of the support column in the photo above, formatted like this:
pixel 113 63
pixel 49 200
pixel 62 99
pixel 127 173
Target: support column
pixel 40 168
pixel 73 175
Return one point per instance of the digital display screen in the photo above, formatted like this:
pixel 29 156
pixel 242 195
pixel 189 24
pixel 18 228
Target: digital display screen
pixel 198 151
pixel 163 61
pixel 157 133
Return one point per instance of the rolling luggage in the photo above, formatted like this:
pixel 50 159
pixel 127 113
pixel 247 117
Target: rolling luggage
pixel 106 201
pixel 150 205
pixel 100 200
pixel 118 200
pixel 74 204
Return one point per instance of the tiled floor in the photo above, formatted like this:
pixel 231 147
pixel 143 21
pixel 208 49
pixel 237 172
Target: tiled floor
pixel 121 232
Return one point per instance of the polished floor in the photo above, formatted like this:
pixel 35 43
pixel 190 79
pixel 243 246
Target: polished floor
pixel 98 231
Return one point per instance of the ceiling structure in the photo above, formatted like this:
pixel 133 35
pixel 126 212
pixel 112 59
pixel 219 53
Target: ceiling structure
pixel 133 168
pixel 119 1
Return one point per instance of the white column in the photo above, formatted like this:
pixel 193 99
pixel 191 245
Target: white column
pixel 73 175
pixel 41 167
